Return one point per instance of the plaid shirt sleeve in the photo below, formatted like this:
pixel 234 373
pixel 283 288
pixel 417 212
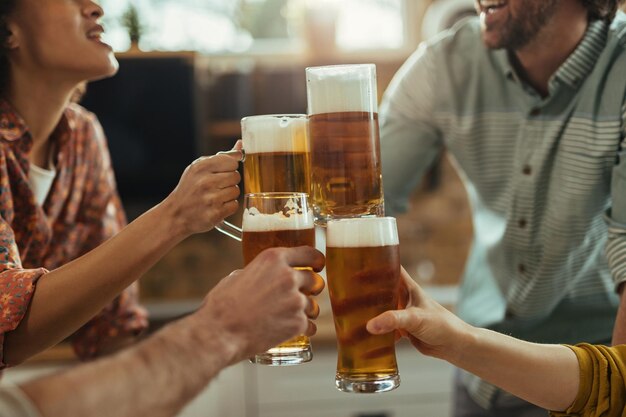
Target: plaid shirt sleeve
pixel 17 285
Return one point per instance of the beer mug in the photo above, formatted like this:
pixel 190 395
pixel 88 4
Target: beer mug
pixel 363 276
pixel 277 153
pixel 345 147
pixel 278 220
pixel 277 157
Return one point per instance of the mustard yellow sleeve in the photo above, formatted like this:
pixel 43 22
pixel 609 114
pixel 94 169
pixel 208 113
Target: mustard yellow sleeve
pixel 602 389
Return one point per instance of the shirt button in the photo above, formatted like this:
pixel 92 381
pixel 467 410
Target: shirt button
pixel 521 268
pixel 521 223
pixel 535 112
pixel 527 170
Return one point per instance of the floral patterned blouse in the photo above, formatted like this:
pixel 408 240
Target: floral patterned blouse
pixel 81 210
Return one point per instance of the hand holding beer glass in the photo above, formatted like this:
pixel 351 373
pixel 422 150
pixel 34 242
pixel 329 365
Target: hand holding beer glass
pixel 345 148
pixel 278 220
pixel 363 273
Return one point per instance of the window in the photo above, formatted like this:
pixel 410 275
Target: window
pixel 232 26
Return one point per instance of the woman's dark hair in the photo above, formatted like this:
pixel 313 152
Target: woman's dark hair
pixel 602 9
pixel 6 8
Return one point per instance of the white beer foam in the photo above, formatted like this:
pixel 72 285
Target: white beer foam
pixel 362 232
pixel 341 88
pixel 275 133
pixel 253 221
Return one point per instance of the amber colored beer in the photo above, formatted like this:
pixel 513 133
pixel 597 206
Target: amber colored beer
pixel 345 150
pixel 363 271
pixel 266 225
pixel 277 171
pixel 277 153
pixel 256 242
pixel 346 169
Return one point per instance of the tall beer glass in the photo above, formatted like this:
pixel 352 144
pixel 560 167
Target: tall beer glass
pixel 277 157
pixel 273 220
pixel 345 148
pixel 363 273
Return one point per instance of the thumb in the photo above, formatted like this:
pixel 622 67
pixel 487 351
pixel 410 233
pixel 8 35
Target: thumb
pixel 238 145
pixel 388 321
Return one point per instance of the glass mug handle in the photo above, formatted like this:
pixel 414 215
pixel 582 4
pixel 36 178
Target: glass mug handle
pixel 230 229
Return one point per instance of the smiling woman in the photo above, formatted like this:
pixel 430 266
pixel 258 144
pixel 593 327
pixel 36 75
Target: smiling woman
pixel 59 202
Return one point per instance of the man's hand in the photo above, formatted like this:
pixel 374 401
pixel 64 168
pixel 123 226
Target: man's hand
pixel 267 302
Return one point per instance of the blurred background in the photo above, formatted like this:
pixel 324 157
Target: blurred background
pixel 189 71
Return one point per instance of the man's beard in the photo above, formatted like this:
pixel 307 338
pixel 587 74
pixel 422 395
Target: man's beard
pixel 523 28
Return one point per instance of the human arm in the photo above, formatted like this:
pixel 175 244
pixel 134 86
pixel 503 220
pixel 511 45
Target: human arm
pixel 546 375
pixel 244 314
pixel 206 194
pixel 409 138
pixel 619 329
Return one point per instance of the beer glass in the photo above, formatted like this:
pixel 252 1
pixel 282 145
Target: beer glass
pixel 277 154
pixel 345 148
pixel 278 220
pixel 277 157
pixel 363 275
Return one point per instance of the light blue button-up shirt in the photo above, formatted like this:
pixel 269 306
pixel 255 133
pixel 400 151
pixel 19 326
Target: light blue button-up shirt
pixel 545 177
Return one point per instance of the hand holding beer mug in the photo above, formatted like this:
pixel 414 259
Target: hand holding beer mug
pixel 345 148
pixel 278 220
pixel 363 273
pixel 277 157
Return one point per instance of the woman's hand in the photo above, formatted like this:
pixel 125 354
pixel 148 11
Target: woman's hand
pixel 430 327
pixel 206 193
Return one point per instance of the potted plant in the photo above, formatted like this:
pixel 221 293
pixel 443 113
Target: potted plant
pixel 132 23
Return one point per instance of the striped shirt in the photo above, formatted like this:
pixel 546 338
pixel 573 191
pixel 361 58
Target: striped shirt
pixel 545 177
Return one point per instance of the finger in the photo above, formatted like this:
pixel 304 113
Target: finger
pixel 228 209
pixel 314 286
pixel 388 321
pixel 415 293
pixel 235 153
pixel 214 164
pixel 397 335
pixel 227 194
pixel 309 282
pixel 312 309
pixel 311 329
pixel 222 179
pixel 220 162
pixel 305 256
pixel 238 145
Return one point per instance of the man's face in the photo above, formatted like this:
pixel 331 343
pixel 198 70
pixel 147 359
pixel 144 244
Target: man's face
pixel 512 24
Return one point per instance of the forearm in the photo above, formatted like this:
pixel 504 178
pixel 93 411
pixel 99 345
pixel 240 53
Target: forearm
pixel 69 296
pixel 155 378
pixel 619 329
pixel 545 375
